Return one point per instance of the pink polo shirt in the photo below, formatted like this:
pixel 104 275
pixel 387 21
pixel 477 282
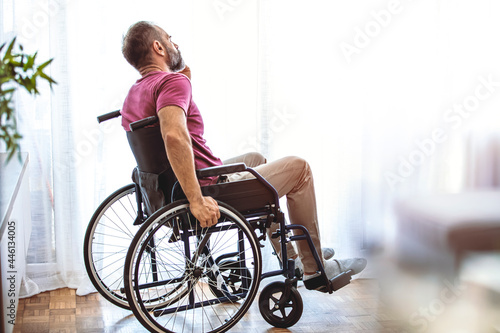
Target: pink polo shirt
pixel 159 89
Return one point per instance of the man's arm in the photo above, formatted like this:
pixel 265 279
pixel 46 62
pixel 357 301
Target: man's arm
pixel 180 155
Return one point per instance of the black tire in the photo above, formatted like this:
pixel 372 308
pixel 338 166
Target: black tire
pixel 280 312
pixel 109 234
pixel 184 256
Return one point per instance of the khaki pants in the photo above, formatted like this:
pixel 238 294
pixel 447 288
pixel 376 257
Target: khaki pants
pixel 290 176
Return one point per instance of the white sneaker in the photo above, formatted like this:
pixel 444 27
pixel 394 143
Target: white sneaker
pixel 328 253
pixel 335 267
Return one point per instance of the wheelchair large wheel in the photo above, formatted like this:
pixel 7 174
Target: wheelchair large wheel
pixel 107 240
pixel 191 265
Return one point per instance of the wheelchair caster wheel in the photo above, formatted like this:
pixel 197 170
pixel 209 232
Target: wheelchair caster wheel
pixel 234 278
pixel 279 309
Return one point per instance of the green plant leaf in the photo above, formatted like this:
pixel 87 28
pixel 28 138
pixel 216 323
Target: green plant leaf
pixel 29 64
pixel 7 91
pixel 48 78
pixel 17 70
pixel 15 63
pixel 8 52
pixel 45 64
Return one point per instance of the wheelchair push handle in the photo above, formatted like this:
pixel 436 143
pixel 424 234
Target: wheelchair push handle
pixel 108 116
pixel 143 123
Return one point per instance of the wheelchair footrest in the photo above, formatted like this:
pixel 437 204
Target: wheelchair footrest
pixel 341 280
pixel 318 283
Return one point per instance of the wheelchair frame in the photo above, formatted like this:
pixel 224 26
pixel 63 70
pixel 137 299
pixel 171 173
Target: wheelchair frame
pixel 254 205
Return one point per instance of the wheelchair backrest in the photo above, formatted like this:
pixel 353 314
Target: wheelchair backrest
pixel 154 175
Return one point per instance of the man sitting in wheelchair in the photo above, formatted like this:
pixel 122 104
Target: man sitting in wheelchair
pixel 165 90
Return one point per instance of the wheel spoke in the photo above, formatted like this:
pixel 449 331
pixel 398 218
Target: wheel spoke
pixel 218 294
pixel 108 235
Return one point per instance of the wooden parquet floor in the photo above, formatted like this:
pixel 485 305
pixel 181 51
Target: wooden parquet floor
pixel 355 308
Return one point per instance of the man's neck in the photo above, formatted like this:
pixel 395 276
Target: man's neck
pixel 153 68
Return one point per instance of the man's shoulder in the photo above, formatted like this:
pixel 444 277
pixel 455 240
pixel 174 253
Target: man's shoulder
pixel 175 81
pixel 167 77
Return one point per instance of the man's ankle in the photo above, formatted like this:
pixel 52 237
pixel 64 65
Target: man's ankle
pixel 308 276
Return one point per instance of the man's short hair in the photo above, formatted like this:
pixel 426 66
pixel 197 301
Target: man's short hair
pixel 136 47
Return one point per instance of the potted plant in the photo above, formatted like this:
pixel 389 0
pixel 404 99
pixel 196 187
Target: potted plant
pixel 17 69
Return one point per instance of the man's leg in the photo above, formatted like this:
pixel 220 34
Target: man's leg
pixel 292 176
pixel 254 160
pixel 250 159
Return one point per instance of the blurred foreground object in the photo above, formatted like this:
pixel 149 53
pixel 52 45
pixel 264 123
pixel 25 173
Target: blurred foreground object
pixel 436 231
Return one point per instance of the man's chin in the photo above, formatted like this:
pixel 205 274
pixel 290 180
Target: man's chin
pixel 177 65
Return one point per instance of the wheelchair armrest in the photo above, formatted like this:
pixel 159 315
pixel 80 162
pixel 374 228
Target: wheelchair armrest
pixel 221 170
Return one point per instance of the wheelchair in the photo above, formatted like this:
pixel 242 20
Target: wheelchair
pixel 156 259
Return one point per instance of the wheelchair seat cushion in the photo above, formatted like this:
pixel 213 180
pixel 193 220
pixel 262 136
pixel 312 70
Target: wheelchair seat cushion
pixel 248 196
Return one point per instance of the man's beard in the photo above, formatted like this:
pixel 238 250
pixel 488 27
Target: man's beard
pixel 175 61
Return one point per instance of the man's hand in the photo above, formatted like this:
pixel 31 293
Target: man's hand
pixel 206 211
pixel 186 71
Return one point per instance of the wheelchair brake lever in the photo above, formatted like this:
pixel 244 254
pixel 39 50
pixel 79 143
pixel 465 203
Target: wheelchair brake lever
pixel 276 234
pixel 261 238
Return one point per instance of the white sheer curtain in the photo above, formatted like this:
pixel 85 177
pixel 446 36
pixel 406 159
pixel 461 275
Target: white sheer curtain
pixel 356 88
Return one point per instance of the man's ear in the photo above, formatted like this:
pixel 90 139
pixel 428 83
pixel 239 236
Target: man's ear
pixel 159 48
